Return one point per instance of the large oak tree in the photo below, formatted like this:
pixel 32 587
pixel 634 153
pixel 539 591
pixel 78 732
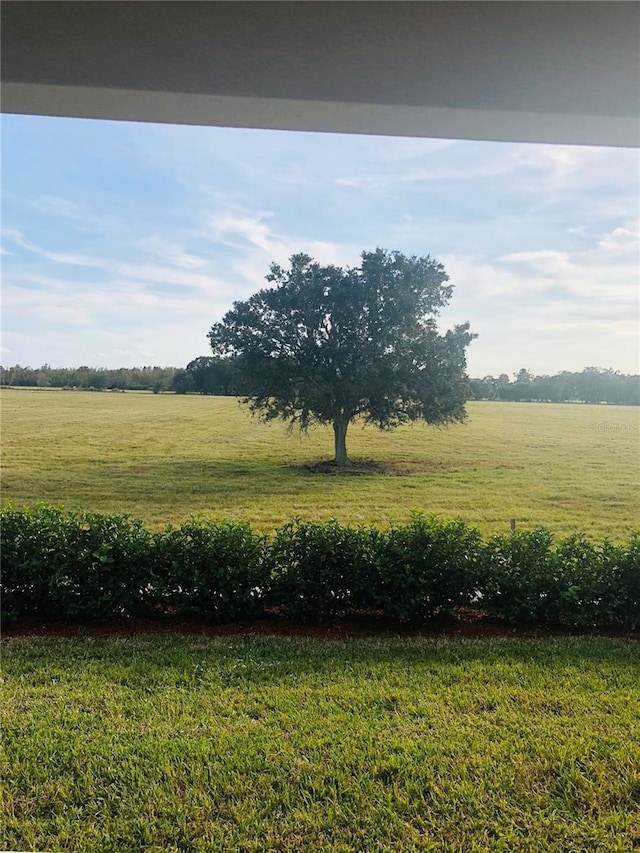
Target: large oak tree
pixel 327 345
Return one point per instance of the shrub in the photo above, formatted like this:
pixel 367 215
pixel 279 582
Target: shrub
pixel 577 583
pixel 623 581
pixel 84 565
pixel 322 569
pixel 25 537
pixel 213 569
pixel 582 591
pixel 428 567
pixel 519 577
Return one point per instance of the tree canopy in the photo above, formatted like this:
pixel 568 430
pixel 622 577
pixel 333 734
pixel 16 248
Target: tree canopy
pixel 325 345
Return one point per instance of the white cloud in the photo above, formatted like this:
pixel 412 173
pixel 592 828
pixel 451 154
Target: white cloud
pixel 57 206
pixel 545 170
pixel 19 239
pixel 151 274
pixel 622 240
pixel 259 245
pixel 238 231
pixel 55 308
pixel 172 253
pixel 547 306
pixel 379 179
pixel 124 275
pixel 555 163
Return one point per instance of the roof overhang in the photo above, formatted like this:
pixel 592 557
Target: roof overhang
pixel 563 72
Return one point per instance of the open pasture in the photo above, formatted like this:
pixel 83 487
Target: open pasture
pixel 163 457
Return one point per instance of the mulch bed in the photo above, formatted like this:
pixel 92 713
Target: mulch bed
pixel 468 622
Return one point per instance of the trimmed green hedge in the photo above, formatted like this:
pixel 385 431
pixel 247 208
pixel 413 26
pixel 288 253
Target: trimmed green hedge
pixel 320 569
pixel 216 570
pixel 429 567
pixel 78 565
pixel 85 565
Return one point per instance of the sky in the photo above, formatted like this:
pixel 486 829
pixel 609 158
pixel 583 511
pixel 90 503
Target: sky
pixel 122 243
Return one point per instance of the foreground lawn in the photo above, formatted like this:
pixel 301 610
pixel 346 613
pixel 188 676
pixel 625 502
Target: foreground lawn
pixel 571 468
pixel 278 744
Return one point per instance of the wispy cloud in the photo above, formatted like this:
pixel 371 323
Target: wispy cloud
pixel 258 245
pixel 176 273
pixel 424 175
pixel 17 238
pixel 170 252
pixel 240 231
pixel 56 206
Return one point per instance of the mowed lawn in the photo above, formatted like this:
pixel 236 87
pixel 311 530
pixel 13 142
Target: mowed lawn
pixel 163 457
pixel 315 746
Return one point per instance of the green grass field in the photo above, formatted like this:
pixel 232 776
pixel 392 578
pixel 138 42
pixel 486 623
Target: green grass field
pixel 163 457
pixel 309 746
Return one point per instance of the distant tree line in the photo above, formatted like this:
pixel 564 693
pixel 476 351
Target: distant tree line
pixel 222 377
pixel 592 385
pixel 155 379
pixel 204 375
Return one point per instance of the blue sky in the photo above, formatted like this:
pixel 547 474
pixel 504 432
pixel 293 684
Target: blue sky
pixel 123 243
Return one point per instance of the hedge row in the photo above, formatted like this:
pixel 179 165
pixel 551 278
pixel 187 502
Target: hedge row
pixel 89 566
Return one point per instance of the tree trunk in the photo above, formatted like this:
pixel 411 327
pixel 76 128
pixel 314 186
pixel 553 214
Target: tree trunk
pixel 340 435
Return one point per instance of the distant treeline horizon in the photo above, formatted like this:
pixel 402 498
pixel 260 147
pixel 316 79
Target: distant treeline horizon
pixel 223 377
